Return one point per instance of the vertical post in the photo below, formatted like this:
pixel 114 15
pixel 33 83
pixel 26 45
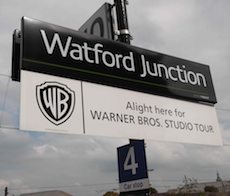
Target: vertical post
pixel 122 21
pixel 15 74
pixel 6 191
pixel 124 36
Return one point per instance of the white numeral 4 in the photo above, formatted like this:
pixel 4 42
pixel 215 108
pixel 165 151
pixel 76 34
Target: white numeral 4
pixel 130 162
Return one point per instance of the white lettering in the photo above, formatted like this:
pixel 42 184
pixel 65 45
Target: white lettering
pixel 56 40
pixel 173 73
pixel 96 55
pixel 108 59
pixel 76 54
pixel 128 62
pixel 62 105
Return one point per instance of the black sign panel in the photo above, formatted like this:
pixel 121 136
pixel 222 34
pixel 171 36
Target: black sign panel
pixel 132 166
pixel 60 51
pixel 132 161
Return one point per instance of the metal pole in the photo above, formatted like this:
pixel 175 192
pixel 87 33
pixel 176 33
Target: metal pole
pixel 6 191
pixel 122 21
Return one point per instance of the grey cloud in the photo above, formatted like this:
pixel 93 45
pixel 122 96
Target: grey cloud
pixel 195 30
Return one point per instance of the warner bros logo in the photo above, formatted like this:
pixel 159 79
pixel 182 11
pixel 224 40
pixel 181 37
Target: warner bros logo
pixel 56 101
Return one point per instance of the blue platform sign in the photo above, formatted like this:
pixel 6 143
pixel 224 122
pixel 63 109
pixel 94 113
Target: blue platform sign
pixel 133 174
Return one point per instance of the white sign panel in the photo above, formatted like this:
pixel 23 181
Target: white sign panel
pixel 134 185
pixel 122 113
pixel 50 104
pixel 60 105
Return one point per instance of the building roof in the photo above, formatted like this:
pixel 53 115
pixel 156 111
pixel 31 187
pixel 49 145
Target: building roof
pixel 47 193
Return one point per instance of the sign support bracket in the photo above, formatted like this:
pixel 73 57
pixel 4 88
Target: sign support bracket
pixel 122 21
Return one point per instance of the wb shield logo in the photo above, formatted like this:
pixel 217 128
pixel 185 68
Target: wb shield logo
pixel 56 101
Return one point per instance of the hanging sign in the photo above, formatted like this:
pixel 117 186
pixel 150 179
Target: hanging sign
pixel 100 23
pixel 76 83
pixel 132 166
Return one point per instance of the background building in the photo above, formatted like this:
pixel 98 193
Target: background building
pixel 193 186
pixel 47 193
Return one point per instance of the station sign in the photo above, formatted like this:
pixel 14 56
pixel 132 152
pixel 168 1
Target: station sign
pixel 132 166
pixel 55 50
pixel 100 23
pixel 76 83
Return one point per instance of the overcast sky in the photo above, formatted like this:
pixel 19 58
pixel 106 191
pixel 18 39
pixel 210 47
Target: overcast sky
pixel 197 30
